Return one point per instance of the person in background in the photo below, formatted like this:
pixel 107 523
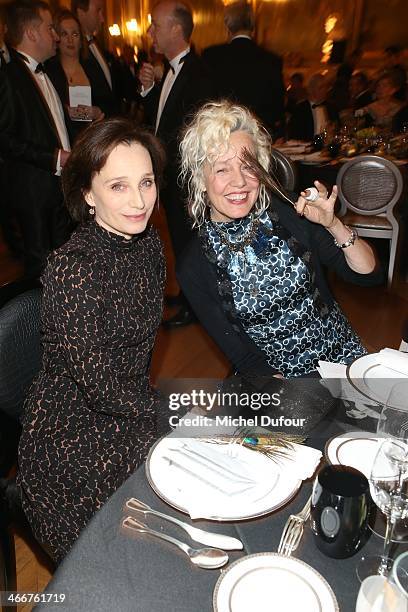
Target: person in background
pixel 90 416
pixel 185 85
pixel 312 116
pixel 244 72
pixel 7 222
pixel 380 113
pixel 360 94
pixel 393 63
pixel 296 91
pixel 67 70
pixel 34 139
pixel 99 67
pixel 254 273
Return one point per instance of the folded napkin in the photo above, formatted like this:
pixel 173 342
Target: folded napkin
pixel 227 480
pixel 394 360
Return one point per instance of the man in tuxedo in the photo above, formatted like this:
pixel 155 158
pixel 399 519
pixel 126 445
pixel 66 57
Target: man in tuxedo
pixel 246 73
pixel 360 94
pixel 97 64
pixel 33 136
pixel 6 221
pixel 184 87
pixel 312 116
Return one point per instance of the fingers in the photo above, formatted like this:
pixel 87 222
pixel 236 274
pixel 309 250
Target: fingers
pixel 146 75
pixel 323 193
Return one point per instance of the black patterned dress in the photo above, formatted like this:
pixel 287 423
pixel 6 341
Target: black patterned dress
pixel 90 417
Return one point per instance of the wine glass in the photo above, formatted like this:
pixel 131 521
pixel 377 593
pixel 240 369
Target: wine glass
pixel 393 424
pixel 389 490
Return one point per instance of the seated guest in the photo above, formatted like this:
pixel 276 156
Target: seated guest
pixel 67 71
pixel 296 91
pixel 90 417
pixel 393 62
pixel 312 116
pixel 381 112
pixel 254 274
pixel 360 94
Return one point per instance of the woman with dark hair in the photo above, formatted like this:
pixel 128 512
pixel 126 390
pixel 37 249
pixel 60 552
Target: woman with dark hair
pixel 90 417
pixel 67 72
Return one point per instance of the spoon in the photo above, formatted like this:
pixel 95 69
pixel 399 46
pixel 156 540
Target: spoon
pixel 199 535
pixel 206 558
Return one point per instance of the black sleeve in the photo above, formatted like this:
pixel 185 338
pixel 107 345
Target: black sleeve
pixel 199 285
pixel 11 145
pixel 333 257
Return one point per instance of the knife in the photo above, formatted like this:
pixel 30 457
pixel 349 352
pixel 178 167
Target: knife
pixel 199 535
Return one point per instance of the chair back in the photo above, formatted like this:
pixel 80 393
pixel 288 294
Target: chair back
pixel 285 170
pixel 20 352
pixel 369 185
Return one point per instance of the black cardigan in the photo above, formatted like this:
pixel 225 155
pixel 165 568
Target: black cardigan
pixel 199 279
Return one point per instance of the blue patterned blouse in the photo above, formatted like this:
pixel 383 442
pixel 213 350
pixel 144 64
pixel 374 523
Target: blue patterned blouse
pixel 273 297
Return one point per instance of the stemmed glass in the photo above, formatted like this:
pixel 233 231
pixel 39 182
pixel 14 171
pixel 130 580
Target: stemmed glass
pixel 393 424
pixel 389 490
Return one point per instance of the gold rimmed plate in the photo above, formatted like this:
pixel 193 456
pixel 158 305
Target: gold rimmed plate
pixel 290 584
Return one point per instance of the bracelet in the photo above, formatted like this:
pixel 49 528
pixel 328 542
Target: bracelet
pixel 350 241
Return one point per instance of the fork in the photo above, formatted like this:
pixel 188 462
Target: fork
pixel 293 530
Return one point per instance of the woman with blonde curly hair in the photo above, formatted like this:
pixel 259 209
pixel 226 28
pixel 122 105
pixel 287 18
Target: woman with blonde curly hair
pixel 254 273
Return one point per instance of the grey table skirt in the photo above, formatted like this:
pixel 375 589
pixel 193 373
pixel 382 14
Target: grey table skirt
pixel 107 570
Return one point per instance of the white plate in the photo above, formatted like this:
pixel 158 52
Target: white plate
pixel 372 379
pixel 356 449
pixel 268 581
pixel 274 489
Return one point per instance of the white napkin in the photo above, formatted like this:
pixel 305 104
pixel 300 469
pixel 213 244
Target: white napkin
pixel 394 360
pixel 218 480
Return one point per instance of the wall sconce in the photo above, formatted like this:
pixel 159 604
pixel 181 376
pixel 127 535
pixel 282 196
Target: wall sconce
pixel 132 26
pixel 114 30
pixel 149 19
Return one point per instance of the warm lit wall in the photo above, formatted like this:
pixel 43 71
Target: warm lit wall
pixel 292 25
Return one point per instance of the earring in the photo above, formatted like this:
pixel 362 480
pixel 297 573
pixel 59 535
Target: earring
pixel 91 210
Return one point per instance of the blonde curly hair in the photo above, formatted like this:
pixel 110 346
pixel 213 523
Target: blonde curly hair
pixel 205 138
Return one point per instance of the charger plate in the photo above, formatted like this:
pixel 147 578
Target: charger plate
pixel 274 582
pixel 174 485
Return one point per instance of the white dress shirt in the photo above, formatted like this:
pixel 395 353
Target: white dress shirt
pixel 169 82
pixel 53 102
pixel 93 47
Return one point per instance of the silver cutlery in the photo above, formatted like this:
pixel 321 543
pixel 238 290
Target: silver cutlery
pixel 293 530
pixel 199 535
pixel 206 558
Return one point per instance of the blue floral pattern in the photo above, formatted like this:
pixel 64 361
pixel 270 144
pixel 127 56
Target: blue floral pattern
pixel 273 294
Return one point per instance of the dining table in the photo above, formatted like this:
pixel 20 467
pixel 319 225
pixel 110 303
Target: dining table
pixel 109 569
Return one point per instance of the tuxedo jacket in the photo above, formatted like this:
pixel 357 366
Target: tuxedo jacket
pixel 192 87
pixel 108 99
pixel 29 140
pixel 249 75
pixel 301 124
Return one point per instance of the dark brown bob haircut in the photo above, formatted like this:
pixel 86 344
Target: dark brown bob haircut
pixel 91 152
pixel 21 13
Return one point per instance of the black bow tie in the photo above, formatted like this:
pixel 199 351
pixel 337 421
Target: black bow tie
pixel 316 105
pixel 181 61
pixel 39 69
